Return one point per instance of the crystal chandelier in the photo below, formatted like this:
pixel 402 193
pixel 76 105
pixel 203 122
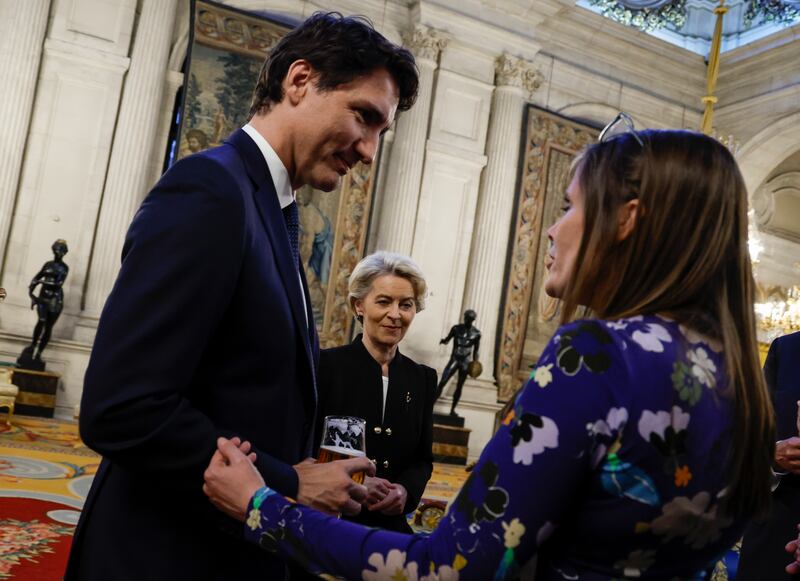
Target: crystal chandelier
pixel 780 314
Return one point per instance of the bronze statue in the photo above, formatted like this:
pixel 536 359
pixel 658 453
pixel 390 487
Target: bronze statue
pixel 464 357
pixel 48 304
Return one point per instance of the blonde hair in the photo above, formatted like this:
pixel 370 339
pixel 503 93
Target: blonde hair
pixel 381 263
pixel 687 257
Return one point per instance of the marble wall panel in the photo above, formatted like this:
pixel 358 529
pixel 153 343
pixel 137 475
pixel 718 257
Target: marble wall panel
pixel 461 112
pixel 104 25
pixel 442 235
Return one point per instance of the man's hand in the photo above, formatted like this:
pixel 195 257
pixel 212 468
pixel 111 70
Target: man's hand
pixel 787 454
pixel 393 503
pixel 329 487
pixel 793 547
pixel 231 479
pixel 798 418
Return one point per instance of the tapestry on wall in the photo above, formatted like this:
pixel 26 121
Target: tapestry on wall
pixel 226 51
pixel 530 316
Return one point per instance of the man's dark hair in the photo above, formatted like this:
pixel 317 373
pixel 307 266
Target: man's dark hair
pixel 341 49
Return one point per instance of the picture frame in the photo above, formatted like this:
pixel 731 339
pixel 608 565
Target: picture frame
pixel 529 317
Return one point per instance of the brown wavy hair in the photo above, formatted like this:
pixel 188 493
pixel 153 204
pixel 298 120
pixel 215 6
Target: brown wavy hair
pixel 686 258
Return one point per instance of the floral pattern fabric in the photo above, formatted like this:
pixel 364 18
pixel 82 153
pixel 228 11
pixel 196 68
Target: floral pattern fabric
pixel 611 465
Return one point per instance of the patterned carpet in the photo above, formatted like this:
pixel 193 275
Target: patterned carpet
pixel 45 474
pixel 445 482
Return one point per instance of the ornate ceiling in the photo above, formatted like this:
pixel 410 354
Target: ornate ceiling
pixel 690 23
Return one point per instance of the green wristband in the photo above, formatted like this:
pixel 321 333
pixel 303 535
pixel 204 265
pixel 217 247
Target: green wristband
pixel 260 495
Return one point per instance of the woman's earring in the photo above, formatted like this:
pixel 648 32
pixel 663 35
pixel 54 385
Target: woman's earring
pixel 360 318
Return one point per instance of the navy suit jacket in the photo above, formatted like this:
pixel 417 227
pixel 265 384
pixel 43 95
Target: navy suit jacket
pixel 763 557
pixel 782 371
pixel 205 334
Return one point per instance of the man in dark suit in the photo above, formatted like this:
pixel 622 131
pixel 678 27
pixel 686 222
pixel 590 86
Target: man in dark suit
pixel 208 331
pixel 763 556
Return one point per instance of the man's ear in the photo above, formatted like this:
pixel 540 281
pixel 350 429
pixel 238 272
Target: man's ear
pixel 297 81
pixel 628 214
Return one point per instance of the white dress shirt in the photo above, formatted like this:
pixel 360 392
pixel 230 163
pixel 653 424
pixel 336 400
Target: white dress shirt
pixel 280 179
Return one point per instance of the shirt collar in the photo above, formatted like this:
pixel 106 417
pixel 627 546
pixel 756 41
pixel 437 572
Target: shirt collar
pixel 280 177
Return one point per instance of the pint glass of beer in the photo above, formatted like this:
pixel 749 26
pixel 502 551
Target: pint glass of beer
pixel 343 438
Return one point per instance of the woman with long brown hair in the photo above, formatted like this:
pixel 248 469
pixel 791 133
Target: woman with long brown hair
pixel 641 444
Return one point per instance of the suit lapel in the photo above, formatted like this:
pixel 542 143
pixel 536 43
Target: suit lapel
pixel 266 199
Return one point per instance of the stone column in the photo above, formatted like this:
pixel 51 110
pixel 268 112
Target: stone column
pixel 23 30
pixel 483 293
pixel 399 207
pixel 128 177
pixel 174 81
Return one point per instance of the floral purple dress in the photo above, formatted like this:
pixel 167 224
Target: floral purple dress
pixel 613 464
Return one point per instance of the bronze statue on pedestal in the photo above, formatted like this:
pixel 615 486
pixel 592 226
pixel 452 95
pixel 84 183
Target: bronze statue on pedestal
pixel 48 304
pixel 464 357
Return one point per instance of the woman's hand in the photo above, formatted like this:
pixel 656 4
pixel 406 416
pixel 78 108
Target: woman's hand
pixel 231 479
pixel 394 501
pixel 377 489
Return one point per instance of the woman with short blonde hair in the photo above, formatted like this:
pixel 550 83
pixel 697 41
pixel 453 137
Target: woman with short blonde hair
pixel 371 379
pixel 382 263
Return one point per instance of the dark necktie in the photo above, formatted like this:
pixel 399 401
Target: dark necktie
pixel 291 216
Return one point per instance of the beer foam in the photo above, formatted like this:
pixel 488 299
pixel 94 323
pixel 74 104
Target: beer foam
pixel 343 450
pixel 345 425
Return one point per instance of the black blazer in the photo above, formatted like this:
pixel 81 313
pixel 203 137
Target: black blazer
pixel 762 554
pixel 203 335
pixel 401 444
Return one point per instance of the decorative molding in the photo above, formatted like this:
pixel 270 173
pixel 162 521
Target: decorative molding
pixel 456 154
pixel 425 42
pixel 494 30
pixel 512 71
pixel 231 30
pixel 81 55
pixel 774 210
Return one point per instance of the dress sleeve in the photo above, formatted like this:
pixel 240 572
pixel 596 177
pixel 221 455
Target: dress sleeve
pixel 525 481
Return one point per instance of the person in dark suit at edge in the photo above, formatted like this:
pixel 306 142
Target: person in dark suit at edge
pixel 763 556
pixel 371 379
pixel 208 330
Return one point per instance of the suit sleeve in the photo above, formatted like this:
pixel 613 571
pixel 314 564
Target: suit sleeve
pixel 416 475
pixel 771 367
pixel 324 387
pixel 180 266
